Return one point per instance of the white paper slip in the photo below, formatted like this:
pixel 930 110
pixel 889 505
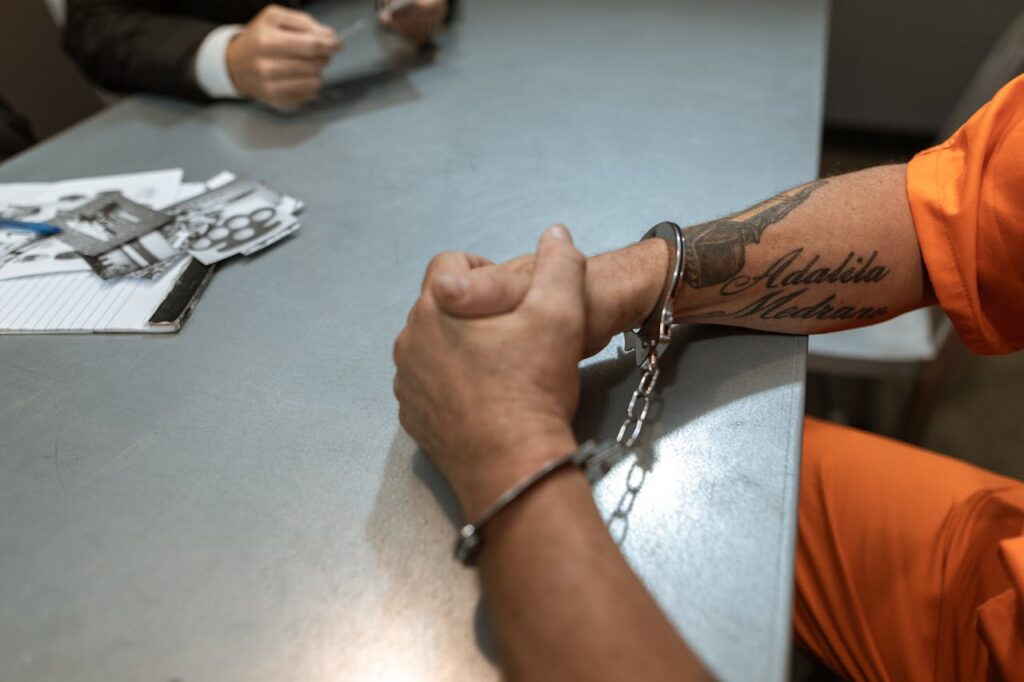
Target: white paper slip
pixel 81 302
pixel 40 201
pixel 188 190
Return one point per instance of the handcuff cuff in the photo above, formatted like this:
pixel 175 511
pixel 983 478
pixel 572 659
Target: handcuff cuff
pixel 647 343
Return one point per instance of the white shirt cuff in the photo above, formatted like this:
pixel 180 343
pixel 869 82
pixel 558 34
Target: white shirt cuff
pixel 212 63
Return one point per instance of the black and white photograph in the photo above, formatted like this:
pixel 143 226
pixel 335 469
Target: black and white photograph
pixel 43 256
pixel 106 222
pixel 238 218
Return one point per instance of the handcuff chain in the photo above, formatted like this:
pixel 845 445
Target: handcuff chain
pixel 634 422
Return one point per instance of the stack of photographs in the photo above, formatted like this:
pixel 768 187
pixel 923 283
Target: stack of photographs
pixel 118 237
pixel 128 235
pixel 235 216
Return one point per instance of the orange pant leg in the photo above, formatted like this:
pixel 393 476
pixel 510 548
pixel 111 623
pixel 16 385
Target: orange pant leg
pixel 897 549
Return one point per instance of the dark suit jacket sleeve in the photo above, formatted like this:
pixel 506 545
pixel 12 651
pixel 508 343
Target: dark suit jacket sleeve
pixel 136 45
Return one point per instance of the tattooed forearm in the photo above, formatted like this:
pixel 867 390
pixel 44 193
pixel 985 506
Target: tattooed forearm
pixel 845 257
pixel 796 285
pixel 715 250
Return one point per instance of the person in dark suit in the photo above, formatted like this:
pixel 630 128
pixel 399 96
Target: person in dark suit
pixel 219 49
pixel 15 134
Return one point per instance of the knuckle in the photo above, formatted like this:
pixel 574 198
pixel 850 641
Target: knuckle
pixel 425 307
pixel 438 262
pixel 398 349
pixel 408 423
pixel 264 68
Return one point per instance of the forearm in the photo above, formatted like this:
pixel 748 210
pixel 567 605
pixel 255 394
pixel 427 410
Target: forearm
pixel 832 254
pixel 564 603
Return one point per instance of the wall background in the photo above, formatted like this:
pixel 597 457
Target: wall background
pixel 35 76
pixel 899 66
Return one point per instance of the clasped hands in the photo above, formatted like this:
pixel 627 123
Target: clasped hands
pixel 487 373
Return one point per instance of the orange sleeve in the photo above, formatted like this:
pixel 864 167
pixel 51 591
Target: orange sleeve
pixel 967 199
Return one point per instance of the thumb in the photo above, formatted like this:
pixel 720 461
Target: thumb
pixel 483 291
pixel 558 275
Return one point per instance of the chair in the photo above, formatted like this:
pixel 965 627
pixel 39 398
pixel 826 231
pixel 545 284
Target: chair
pixel 895 370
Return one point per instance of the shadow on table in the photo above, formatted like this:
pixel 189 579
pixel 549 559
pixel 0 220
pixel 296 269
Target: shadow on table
pixel 382 85
pixel 606 386
pixel 249 125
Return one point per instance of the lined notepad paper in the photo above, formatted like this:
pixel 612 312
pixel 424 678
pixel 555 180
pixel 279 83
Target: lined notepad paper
pixel 82 302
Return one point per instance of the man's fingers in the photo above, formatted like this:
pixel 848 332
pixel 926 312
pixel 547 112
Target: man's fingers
pixel 291 88
pixel 416 21
pixel 453 264
pixel 278 68
pixel 302 45
pixel 293 19
pixel 485 291
pixel 558 274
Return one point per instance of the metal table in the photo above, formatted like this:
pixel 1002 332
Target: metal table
pixel 238 502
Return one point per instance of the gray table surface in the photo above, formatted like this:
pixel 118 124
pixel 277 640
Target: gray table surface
pixel 238 502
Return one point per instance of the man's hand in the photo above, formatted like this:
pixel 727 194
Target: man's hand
pixel 490 399
pixel 418 21
pixel 622 288
pixel 277 59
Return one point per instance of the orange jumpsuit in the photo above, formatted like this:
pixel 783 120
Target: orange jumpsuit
pixel 910 565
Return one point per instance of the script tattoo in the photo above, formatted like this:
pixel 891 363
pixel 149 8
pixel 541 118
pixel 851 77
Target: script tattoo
pixel 715 250
pixel 854 269
pixel 781 277
pixel 774 306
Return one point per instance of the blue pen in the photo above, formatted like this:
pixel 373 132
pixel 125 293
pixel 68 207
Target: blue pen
pixel 39 228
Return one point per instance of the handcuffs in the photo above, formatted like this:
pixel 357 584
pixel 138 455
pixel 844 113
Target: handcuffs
pixel 648 342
